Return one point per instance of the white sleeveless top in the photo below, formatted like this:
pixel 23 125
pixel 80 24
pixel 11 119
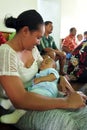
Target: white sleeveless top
pixel 10 64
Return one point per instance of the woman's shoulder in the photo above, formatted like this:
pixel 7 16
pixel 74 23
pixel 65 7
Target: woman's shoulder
pixel 2 46
pixel 6 52
pixel 6 48
pixel 3 49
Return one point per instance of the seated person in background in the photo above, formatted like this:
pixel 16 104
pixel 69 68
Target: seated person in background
pixel 48 46
pixel 69 42
pixel 45 83
pixel 85 36
pixel 77 66
pixel 79 39
pixel 2 38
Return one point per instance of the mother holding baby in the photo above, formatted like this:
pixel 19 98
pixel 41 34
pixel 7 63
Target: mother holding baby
pixel 43 113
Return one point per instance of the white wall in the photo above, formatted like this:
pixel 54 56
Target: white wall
pixel 14 8
pixel 50 10
pixel 73 14
pixel 63 13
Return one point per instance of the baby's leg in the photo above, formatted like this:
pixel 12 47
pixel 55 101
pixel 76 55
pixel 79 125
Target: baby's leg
pixel 13 117
pixel 5 103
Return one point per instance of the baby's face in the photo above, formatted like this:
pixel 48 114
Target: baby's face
pixel 46 63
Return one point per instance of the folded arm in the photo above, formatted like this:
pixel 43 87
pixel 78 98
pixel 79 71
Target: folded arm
pixel 50 77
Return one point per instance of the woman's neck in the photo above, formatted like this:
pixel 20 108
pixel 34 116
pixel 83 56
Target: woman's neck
pixel 16 44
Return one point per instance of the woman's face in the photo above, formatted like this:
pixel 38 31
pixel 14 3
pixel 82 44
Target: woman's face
pixel 33 38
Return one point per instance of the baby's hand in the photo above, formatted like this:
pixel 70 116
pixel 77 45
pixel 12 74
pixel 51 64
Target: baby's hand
pixel 36 80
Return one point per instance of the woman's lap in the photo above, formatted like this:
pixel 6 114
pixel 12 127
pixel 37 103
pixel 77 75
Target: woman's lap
pixel 54 120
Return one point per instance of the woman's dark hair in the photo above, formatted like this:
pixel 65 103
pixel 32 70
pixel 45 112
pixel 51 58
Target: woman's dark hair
pixel 30 18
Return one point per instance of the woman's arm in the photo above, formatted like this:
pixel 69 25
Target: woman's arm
pixel 28 100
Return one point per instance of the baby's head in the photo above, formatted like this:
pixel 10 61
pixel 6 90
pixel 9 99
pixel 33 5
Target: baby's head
pixel 47 63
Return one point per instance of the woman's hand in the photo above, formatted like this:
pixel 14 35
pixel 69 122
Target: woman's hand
pixel 82 95
pixel 65 86
pixel 75 100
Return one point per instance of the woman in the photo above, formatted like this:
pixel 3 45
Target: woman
pixel 13 67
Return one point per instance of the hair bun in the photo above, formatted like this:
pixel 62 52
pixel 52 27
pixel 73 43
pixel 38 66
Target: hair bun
pixel 10 22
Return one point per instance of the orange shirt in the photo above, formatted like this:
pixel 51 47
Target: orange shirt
pixel 70 42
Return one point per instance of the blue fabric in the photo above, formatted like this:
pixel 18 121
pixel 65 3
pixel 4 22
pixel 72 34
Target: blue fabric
pixel 68 55
pixel 46 88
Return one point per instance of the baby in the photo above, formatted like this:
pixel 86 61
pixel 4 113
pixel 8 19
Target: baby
pixel 45 83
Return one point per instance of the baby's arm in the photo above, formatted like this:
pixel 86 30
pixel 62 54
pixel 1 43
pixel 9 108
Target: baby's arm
pixel 50 77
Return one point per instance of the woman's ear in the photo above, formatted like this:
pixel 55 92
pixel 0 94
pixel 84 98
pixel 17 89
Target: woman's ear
pixel 25 30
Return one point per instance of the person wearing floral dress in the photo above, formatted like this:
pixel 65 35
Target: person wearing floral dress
pixel 77 66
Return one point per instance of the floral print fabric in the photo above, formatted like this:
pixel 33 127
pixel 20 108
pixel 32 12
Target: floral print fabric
pixel 77 66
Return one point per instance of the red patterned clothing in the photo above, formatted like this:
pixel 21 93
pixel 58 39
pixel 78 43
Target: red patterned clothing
pixel 2 38
pixel 77 67
pixel 70 42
